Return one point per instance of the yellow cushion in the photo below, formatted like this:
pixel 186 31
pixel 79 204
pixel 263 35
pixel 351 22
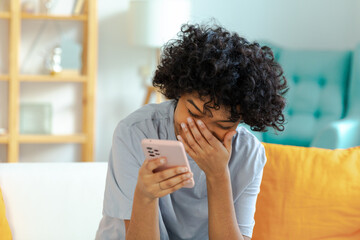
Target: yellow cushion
pixel 5 233
pixel 309 193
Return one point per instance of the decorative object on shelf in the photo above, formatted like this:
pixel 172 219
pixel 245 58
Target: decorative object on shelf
pixel 34 44
pixel 2 131
pixel 28 7
pixel 78 7
pixel 71 56
pixel 47 5
pixel 35 118
pixel 147 27
pixel 53 63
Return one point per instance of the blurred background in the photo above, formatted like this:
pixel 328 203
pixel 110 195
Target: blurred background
pixel 331 27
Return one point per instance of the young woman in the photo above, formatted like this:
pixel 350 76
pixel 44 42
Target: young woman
pixel 214 80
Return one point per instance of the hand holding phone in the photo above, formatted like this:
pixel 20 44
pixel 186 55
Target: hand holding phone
pixel 173 151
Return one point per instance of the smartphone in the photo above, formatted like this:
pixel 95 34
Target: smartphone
pixel 173 151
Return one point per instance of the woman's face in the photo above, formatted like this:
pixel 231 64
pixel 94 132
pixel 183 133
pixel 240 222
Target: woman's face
pixel 217 121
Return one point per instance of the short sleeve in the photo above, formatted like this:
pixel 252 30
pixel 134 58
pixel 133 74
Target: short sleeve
pixel 245 206
pixel 245 203
pixel 126 158
pixel 110 229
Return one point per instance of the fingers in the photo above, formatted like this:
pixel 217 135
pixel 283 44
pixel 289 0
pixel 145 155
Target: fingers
pixel 152 164
pixel 196 134
pixel 188 149
pixel 159 184
pixel 210 138
pixel 174 181
pixel 228 139
pixel 175 187
pixel 189 138
pixel 169 173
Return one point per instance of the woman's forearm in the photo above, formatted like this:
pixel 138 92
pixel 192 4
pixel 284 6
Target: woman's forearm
pixel 144 222
pixel 222 218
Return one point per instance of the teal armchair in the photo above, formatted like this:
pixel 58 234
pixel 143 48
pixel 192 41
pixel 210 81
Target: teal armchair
pixel 345 133
pixel 317 99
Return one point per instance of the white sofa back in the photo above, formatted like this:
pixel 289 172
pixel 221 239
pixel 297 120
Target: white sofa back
pixel 53 201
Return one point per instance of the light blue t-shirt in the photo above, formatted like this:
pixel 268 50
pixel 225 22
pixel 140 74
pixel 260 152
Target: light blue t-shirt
pixel 184 213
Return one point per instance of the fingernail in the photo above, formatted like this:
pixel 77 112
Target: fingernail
pixel 189 119
pixel 179 137
pixel 188 175
pixel 183 125
pixel 162 160
pixel 183 170
pixel 200 123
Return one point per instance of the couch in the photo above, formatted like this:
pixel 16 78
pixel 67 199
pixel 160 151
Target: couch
pixel 306 193
pixel 345 133
pixel 53 201
pixel 309 194
pixel 323 91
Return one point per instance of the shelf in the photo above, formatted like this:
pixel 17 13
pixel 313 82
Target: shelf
pixel 76 138
pixel 4 15
pixel 4 138
pixel 54 17
pixel 4 78
pixel 50 78
pixel 85 26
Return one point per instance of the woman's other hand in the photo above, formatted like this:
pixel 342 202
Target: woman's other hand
pixel 211 155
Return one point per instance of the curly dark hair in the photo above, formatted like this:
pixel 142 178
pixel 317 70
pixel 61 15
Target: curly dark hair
pixel 227 69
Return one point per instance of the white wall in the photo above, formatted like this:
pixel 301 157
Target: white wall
pixel 120 87
pixel 325 24
pixel 321 24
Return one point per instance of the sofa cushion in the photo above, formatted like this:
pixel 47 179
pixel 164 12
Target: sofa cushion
pixel 309 193
pixel 5 233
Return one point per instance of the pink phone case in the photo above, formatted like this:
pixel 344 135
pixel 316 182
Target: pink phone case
pixel 173 151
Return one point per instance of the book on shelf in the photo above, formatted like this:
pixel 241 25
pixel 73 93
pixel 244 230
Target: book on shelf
pixel 78 7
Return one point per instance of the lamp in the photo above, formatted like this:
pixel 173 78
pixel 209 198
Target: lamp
pixel 153 23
